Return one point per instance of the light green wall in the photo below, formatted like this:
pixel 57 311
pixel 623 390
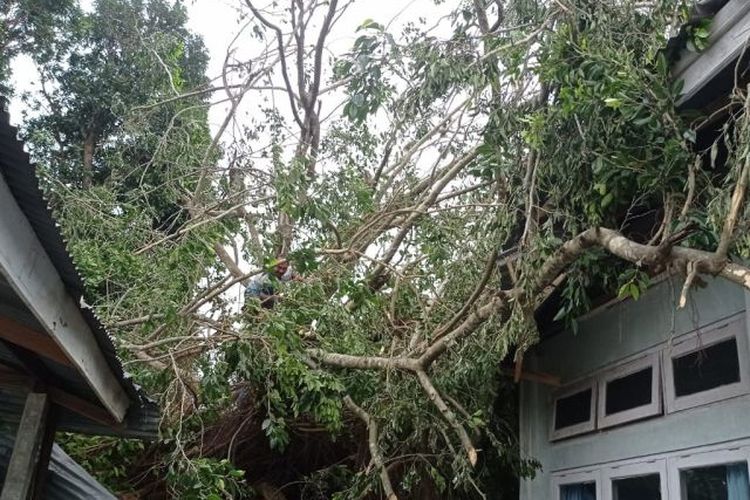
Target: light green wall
pixel 611 334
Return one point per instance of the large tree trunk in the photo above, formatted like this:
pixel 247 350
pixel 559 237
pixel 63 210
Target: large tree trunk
pixel 89 146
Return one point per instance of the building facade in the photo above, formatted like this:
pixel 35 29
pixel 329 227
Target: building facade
pixel 654 401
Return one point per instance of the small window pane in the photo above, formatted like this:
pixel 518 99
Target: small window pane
pixel 719 482
pixel 573 409
pixel 630 391
pixel 707 368
pixel 578 491
pixel 637 488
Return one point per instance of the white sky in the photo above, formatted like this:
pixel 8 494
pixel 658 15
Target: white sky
pixel 216 22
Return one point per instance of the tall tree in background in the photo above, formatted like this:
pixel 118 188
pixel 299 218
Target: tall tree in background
pixel 31 27
pixel 121 55
pixel 116 166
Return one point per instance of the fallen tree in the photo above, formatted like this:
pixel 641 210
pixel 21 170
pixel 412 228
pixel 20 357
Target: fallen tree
pixel 433 191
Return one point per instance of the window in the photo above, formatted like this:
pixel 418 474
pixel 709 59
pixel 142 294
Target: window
pixel 574 410
pixel 630 392
pixel 646 487
pixel 716 482
pixel 578 491
pixel 707 366
pixel 640 481
pixel 699 371
pixel 716 472
pixel 719 475
pixel 576 486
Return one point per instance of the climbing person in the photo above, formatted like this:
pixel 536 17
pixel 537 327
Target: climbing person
pixel 263 286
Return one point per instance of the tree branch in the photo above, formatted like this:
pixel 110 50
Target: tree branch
pixel 372 441
pixel 448 415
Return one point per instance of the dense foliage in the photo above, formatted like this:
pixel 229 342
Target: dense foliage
pixel 432 191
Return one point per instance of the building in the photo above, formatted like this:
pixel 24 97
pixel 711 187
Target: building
pixel 58 367
pixel 653 401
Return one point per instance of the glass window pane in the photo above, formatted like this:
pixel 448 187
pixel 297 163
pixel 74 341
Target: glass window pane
pixel 578 491
pixel 719 482
pixel 637 488
pixel 707 368
pixel 573 409
pixel 628 392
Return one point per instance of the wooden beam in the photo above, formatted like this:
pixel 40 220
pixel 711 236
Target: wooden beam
pixel 81 406
pixel 542 378
pixel 19 478
pixel 30 272
pixel 33 340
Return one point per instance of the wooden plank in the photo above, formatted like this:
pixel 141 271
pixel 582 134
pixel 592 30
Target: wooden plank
pixel 19 478
pixel 542 378
pixel 45 452
pixel 13 380
pixel 31 339
pixel 28 269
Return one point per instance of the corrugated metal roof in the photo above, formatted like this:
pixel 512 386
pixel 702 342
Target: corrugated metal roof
pixel 20 175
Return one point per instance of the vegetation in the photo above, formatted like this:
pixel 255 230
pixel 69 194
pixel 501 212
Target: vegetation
pixel 433 191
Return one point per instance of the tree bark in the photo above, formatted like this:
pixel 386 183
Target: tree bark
pixel 89 147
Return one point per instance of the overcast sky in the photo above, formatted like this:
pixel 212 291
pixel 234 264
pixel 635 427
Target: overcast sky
pixel 216 22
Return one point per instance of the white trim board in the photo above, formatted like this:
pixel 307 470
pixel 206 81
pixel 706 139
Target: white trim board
pixel 30 272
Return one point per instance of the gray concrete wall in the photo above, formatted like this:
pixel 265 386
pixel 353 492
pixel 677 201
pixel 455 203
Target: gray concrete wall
pixel 613 333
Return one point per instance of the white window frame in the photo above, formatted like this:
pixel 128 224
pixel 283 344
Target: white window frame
pixel 646 468
pixel 576 429
pixel 730 328
pixel 699 459
pixel 639 412
pixel 591 476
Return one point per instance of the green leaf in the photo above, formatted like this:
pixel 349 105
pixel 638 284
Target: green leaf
pixel 560 314
pixel 613 102
pixel 701 32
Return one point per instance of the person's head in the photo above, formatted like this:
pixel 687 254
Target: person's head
pixel 280 268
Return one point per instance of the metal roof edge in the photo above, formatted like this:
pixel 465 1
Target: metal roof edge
pixel 21 177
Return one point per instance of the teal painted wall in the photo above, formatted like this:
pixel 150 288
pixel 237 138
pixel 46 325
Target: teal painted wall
pixel 613 333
